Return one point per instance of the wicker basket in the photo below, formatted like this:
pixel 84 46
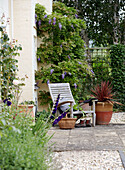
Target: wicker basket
pixel 67 123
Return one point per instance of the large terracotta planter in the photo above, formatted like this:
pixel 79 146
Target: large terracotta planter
pixel 28 109
pixel 67 123
pixel 104 112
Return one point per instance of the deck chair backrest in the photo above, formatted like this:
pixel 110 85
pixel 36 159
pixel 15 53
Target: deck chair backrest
pixel 60 88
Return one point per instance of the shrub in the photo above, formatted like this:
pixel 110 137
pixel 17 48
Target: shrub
pixel 43 115
pixel 22 153
pixel 117 56
pixel 101 68
pixel 22 145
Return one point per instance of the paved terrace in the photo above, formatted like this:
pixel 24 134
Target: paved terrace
pixel 100 137
pixel 87 141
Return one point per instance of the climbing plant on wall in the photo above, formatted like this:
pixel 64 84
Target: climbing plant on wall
pixel 62 50
pixel 117 56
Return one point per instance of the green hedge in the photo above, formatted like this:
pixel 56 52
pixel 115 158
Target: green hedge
pixel 117 55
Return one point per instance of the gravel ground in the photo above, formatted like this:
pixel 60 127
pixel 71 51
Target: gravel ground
pixel 118 118
pixel 89 160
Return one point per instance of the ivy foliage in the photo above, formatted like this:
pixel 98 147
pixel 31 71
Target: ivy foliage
pixel 101 68
pixel 8 64
pixel 117 56
pixel 62 50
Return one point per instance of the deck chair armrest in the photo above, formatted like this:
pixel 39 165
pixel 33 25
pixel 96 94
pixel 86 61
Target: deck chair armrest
pixel 93 101
pixel 63 102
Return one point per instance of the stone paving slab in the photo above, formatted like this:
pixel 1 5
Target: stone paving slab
pixel 101 137
pixel 81 143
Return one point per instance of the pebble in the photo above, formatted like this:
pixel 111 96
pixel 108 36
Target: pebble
pixel 89 160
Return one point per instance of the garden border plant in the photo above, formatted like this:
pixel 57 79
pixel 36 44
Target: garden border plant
pixel 22 144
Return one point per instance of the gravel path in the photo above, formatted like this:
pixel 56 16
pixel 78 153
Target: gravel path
pixel 89 160
pixel 118 118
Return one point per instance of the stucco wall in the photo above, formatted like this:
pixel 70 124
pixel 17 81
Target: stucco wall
pixel 47 4
pixel 4 9
pixel 23 31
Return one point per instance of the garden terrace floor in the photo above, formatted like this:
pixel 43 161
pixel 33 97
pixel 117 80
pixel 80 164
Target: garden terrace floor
pixel 103 138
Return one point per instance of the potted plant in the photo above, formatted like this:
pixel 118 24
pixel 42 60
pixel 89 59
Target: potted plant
pixel 27 107
pixel 104 105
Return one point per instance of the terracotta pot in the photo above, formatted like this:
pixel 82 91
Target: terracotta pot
pixel 67 123
pixel 104 112
pixel 28 109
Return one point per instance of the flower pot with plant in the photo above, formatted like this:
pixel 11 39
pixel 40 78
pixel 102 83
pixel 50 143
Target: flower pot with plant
pixel 27 107
pixel 104 105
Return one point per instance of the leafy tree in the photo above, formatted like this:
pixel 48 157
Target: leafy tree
pixel 105 19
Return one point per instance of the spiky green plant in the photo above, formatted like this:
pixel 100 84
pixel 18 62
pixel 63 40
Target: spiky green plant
pixel 104 92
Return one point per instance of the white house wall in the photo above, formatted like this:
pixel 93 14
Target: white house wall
pixel 23 12
pixel 47 4
pixel 22 28
pixel 4 9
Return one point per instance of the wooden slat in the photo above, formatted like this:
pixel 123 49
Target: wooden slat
pixel 60 88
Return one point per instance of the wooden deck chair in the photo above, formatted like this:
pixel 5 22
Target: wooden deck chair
pixel 65 92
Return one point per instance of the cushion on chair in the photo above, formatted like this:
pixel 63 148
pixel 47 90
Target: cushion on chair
pixel 65 106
